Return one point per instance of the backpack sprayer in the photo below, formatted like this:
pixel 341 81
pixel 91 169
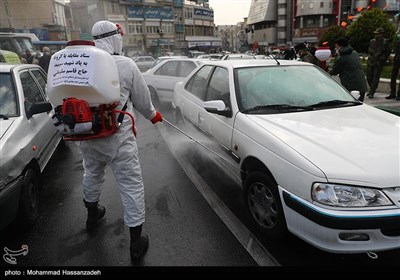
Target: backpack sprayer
pixel 84 92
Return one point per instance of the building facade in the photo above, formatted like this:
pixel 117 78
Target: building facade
pixel 313 18
pixel 273 23
pixel 151 26
pixel 46 18
pixel 162 26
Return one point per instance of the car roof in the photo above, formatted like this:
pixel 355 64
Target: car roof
pixel 178 59
pixel 239 55
pixel 142 56
pixel 8 67
pixel 237 63
pixel 172 56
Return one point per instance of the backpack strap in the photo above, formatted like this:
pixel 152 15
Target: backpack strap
pixel 121 116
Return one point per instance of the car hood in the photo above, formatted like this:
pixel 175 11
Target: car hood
pixel 5 125
pixel 360 144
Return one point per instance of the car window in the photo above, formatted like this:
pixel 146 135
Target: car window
pixel 185 68
pixel 197 83
pixel 31 90
pixel 8 97
pixel 5 45
pixel 41 78
pixel 218 88
pixel 168 69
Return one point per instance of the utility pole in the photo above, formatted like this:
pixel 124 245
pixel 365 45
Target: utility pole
pixel 8 13
pixel 161 33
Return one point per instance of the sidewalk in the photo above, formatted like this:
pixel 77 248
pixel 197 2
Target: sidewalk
pixel 380 101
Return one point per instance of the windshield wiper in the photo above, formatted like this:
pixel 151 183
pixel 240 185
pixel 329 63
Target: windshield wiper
pixel 334 103
pixel 3 117
pixel 285 107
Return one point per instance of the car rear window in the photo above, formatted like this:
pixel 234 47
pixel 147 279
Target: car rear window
pixel 8 97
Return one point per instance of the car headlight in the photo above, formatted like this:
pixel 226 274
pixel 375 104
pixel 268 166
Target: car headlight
pixel 348 196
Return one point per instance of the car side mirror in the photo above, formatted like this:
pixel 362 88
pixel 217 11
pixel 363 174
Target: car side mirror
pixel 355 94
pixel 39 107
pixel 217 107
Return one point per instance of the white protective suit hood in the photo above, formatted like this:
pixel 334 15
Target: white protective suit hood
pixel 106 37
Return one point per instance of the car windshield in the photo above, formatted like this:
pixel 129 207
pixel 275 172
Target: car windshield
pixel 24 44
pixel 8 98
pixel 284 88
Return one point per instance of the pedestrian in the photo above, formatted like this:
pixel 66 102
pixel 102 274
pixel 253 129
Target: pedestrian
pixel 119 151
pixel 378 53
pixel 289 53
pixel 28 56
pixel 395 71
pixel 305 54
pixel 348 66
pixel 36 58
pixel 44 60
pixel 22 57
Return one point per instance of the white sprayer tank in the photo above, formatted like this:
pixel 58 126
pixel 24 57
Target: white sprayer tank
pixel 84 72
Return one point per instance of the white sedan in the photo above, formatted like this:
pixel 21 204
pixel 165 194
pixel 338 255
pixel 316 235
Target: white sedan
pixel 144 62
pixel 161 79
pixel 28 140
pixel 311 158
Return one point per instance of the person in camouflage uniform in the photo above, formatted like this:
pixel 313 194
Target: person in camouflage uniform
pixel 395 71
pixel 305 54
pixel 378 53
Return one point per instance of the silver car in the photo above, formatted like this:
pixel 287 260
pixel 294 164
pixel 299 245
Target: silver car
pixel 28 139
pixel 162 78
pixel 144 62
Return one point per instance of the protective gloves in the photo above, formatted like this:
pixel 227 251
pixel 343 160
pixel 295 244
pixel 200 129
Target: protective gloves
pixel 157 118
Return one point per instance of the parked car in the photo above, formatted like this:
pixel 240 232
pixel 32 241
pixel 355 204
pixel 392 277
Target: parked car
pixel 195 53
pixel 9 57
pixel 162 58
pixel 311 158
pixel 18 42
pixel 162 78
pixel 28 139
pixel 144 62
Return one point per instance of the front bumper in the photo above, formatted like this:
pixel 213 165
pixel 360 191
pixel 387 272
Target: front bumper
pixel 325 228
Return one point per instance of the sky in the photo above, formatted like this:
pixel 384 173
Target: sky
pixel 229 12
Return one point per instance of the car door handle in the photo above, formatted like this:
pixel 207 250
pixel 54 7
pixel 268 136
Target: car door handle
pixel 200 118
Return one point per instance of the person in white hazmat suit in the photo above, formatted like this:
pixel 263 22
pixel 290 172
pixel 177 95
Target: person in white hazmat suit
pixel 119 150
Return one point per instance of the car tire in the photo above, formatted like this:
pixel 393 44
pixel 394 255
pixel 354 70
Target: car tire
pixel 264 204
pixel 28 211
pixel 154 97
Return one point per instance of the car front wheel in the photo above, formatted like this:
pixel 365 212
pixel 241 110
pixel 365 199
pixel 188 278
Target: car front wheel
pixel 28 211
pixel 264 204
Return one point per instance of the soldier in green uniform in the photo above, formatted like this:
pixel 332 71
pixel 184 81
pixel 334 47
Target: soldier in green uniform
pixel 378 52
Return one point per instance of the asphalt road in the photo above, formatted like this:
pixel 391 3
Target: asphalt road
pixel 183 229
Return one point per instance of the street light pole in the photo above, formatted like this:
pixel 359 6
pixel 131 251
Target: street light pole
pixel 161 33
